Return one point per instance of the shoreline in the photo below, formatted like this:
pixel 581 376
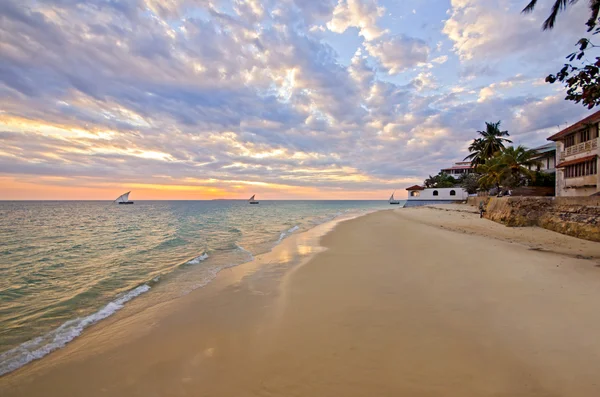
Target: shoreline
pixel 138 299
pixel 392 303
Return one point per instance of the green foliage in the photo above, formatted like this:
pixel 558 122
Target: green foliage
pixel 440 180
pixel 487 144
pixel 544 179
pixel 583 80
pixel 491 172
pixel 469 182
pixel 509 168
pixel 516 161
pixel 583 83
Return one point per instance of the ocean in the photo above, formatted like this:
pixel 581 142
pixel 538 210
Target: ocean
pixel 67 265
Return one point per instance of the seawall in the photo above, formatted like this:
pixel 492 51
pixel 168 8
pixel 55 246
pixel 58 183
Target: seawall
pixel 574 216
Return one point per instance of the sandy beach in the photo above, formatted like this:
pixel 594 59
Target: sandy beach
pixel 407 302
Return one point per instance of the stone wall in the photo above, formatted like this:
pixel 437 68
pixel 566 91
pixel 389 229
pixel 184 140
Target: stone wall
pixel 475 200
pixel 575 216
pixel 534 191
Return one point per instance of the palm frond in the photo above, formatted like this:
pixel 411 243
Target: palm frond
pixel 559 5
pixel 595 9
pixel 530 7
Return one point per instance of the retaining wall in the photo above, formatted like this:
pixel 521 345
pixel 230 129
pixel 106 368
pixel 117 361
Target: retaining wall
pixel 575 216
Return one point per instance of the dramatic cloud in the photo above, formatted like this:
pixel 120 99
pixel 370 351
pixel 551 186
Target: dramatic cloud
pixel 289 98
pixel 494 29
pixel 399 53
pixel 362 15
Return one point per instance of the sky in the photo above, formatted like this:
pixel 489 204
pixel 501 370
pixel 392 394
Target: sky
pixel 285 99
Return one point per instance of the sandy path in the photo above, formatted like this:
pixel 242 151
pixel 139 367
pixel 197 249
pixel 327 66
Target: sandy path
pixel 394 307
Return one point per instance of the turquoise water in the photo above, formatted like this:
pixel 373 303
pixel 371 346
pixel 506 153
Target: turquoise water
pixel 67 265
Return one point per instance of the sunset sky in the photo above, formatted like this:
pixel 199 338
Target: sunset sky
pixel 199 99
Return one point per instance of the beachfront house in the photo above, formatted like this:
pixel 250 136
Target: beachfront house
pixel 577 157
pixel 546 157
pixel 459 169
pixel 418 195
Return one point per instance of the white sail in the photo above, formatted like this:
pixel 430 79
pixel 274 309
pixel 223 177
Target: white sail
pixel 123 198
pixel 252 198
pixel 392 197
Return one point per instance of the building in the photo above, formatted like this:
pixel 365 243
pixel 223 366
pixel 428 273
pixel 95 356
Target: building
pixel 459 169
pixel 547 158
pixel 418 195
pixel 577 151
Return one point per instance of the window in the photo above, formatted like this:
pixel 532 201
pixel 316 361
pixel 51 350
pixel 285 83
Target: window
pixel 452 193
pixel 435 192
pixel 570 140
pixel 585 135
pixel 581 169
pixel 415 194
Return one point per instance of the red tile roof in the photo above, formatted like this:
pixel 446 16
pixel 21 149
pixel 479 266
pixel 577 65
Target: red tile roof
pixel 416 187
pixel 462 167
pixel 576 161
pixel 588 120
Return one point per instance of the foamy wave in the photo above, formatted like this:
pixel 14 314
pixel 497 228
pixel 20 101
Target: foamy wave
pixel 58 338
pixel 287 233
pixel 212 274
pixel 245 250
pixel 198 259
pixel 325 219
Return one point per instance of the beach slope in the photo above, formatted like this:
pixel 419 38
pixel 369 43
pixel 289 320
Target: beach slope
pixel 396 306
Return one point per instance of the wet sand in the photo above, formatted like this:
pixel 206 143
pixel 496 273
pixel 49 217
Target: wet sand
pixel 410 302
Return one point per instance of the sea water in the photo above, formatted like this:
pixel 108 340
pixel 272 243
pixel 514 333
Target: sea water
pixel 67 265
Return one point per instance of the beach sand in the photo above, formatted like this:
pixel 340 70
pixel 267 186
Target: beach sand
pixel 408 302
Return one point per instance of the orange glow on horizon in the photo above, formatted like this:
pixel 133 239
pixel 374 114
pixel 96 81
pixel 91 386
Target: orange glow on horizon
pixel 46 188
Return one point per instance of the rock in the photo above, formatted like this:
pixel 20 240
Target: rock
pixel 567 215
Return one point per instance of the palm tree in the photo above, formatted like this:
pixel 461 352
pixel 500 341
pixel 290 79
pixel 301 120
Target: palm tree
pixel 476 150
pixel 561 5
pixel 492 172
pixel 516 162
pixel 488 144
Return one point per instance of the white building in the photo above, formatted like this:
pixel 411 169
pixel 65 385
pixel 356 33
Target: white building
pixel 547 158
pixel 577 152
pixel 459 169
pixel 418 195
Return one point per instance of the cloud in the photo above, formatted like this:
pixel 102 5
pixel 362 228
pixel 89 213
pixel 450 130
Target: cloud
pixel 424 81
pixel 491 90
pixel 231 94
pixel 398 53
pixel 358 14
pixel 440 60
pixel 494 29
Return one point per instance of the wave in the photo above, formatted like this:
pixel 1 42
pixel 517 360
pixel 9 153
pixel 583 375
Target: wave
pixel 245 250
pixel 39 347
pixel 326 218
pixel 175 241
pixel 198 259
pixel 287 233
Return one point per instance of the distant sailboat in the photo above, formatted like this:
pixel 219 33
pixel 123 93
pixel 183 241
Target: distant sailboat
pixel 251 200
pixel 123 199
pixel 392 200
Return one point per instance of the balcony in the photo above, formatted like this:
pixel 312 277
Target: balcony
pixel 580 148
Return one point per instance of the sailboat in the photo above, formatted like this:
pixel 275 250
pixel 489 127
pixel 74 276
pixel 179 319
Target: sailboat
pixel 123 199
pixel 251 200
pixel 392 200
